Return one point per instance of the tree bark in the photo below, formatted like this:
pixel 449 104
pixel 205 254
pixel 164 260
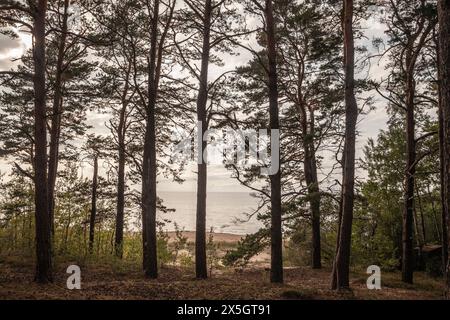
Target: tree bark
pixel 55 129
pixel 444 48
pixel 43 223
pixel 444 210
pixel 120 210
pixel 201 269
pixel 118 240
pixel 150 257
pixel 314 194
pixel 93 206
pixel 310 168
pixel 413 46
pixel 312 182
pixel 422 216
pixel 342 263
pixel 338 235
pixel 408 214
pixel 276 270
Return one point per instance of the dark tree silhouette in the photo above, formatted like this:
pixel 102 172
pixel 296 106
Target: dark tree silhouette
pixel 94 148
pixel 444 49
pixel 149 163
pixel 276 265
pixel 342 259
pixel 201 269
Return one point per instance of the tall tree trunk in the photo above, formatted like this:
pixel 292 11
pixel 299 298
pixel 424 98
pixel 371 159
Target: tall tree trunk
pixel 118 239
pixel 348 178
pixel 55 129
pixel 312 182
pixel 310 167
pixel 408 213
pixel 93 205
pixel 276 270
pixel 444 45
pixel 412 51
pixel 201 269
pixel 43 223
pixel 442 171
pixel 149 168
pixel 444 210
pixel 314 193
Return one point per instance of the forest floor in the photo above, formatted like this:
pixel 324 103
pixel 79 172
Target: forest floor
pixel 126 281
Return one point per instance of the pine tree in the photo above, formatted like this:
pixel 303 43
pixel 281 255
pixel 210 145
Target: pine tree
pixel 444 40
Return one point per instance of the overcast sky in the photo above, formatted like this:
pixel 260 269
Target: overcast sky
pixel 218 178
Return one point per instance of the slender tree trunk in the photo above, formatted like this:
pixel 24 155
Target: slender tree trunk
pixel 338 235
pixel 312 182
pixel 121 135
pixel 149 168
pixel 93 205
pixel 30 230
pixel 408 214
pixel 422 217
pixel 66 232
pixel 444 46
pixel 442 170
pixel 55 129
pixel 419 259
pixel 435 222
pixel 444 210
pixel 412 51
pixel 310 170
pixel 200 234
pixel 201 269
pixel 276 270
pixel 351 112
pixel 417 230
pixel 118 240
pixel 433 208
pixel 43 223
pixel 444 203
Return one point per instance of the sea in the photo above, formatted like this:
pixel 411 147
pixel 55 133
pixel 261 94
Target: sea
pixel 226 212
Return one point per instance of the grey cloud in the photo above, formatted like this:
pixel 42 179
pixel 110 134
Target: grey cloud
pixel 7 44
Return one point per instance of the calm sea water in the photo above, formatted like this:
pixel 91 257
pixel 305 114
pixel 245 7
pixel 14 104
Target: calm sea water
pixel 223 210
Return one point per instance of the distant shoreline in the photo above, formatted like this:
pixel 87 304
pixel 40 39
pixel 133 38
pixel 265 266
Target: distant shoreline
pixel 179 191
pixel 218 236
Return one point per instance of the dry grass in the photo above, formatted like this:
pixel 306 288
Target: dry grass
pixel 125 281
